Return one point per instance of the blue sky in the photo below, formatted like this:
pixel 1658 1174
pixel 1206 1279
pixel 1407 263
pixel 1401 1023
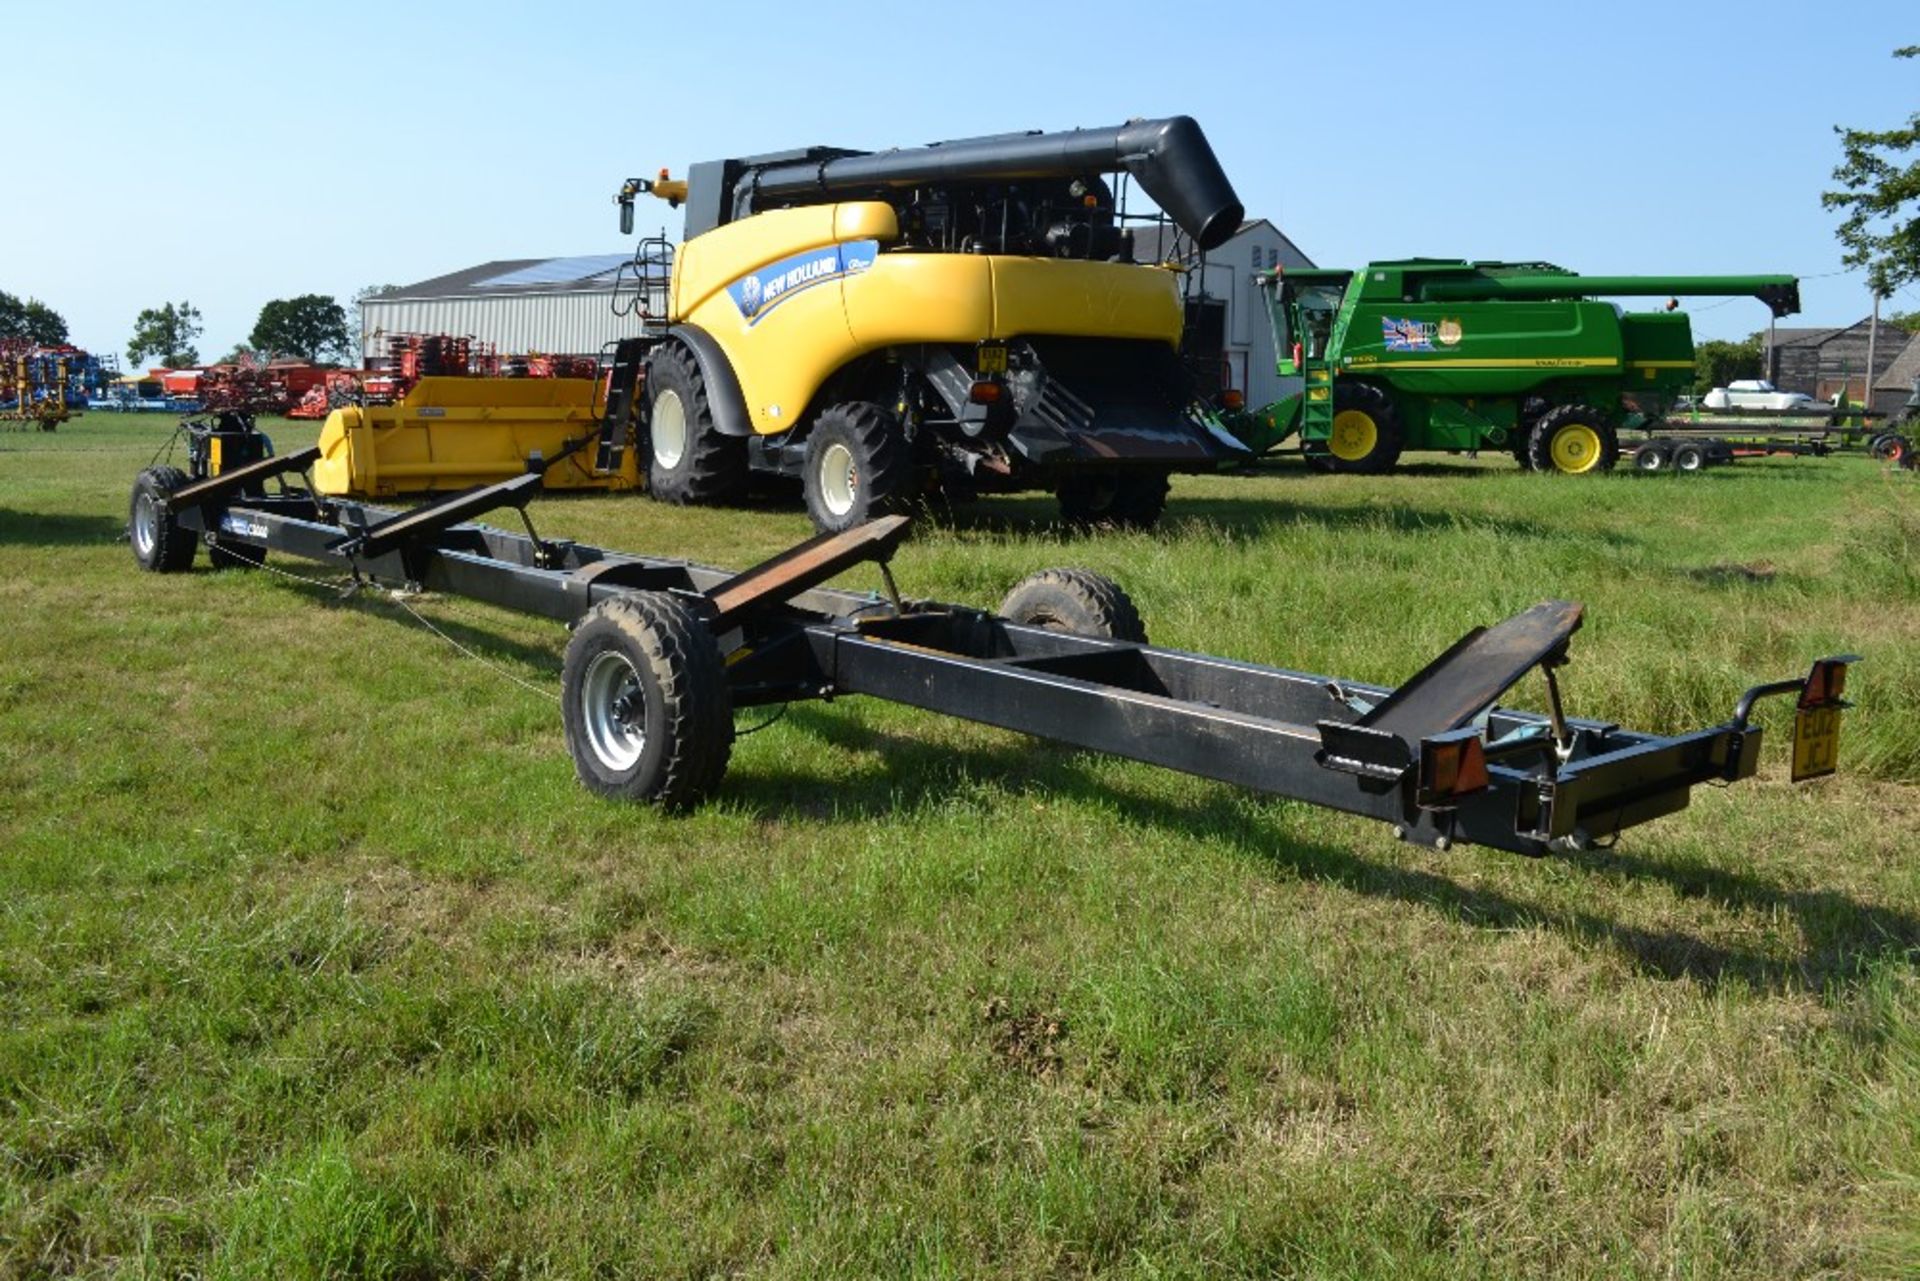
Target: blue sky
pixel 230 154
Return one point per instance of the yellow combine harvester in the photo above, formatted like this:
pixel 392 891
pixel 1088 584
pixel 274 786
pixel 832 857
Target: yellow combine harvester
pixel 962 318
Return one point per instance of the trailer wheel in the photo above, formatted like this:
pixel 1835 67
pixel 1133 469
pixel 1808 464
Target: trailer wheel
pixel 1113 499
pixel 1689 457
pixel 1367 436
pixel 1889 447
pixel 645 703
pixel 1649 458
pixel 1574 440
pixel 160 545
pixel 689 460
pixel 859 466
pixel 1076 601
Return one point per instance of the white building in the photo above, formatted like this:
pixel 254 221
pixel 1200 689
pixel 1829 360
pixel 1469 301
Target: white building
pixel 564 306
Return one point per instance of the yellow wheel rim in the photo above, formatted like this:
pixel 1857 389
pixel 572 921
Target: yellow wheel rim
pixel 1575 448
pixel 1355 435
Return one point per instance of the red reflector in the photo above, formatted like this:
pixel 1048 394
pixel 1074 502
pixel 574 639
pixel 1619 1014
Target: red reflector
pixel 985 393
pixel 1232 399
pixel 1825 683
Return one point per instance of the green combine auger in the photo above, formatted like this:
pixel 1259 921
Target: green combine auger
pixel 1443 354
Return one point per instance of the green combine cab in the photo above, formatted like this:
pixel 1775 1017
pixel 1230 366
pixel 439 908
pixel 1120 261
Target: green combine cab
pixel 1439 354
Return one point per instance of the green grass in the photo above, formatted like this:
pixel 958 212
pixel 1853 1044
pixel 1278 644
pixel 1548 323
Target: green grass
pixel 315 961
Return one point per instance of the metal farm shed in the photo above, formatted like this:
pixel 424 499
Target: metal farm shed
pixel 552 306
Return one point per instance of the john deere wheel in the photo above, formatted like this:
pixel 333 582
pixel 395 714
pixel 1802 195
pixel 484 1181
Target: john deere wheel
pixel 645 703
pixel 1366 435
pixel 159 544
pixel 859 466
pixel 1574 440
pixel 689 459
pixel 1113 499
pixel 1075 601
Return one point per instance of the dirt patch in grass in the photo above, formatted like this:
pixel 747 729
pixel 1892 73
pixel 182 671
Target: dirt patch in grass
pixel 1027 1039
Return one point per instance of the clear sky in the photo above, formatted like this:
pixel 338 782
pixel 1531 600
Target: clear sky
pixel 228 154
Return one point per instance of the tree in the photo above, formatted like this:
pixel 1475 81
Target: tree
pixel 166 333
pixel 1907 320
pixel 1882 200
pixel 1716 363
pixel 312 327
pixel 32 320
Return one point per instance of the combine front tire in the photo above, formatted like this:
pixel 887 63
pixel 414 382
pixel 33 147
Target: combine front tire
pixel 689 459
pixel 1075 601
pixel 645 703
pixel 1367 435
pixel 859 466
pixel 1115 499
pixel 1573 440
pixel 160 545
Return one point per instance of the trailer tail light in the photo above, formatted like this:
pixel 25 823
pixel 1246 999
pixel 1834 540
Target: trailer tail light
pixel 1452 766
pixel 1232 398
pixel 1825 683
pixel 986 392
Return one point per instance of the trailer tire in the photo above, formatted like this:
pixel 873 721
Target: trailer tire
pixel 1888 447
pixel 645 703
pixel 1075 601
pixel 1367 436
pixel 1574 440
pixel 160 545
pixel 689 459
pixel 1649 458
pixel 1129 499
pixel 859 466
pixel 1690 457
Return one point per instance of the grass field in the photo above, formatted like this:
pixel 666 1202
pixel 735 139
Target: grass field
pixel 315 961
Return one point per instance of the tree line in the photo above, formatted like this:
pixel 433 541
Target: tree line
pixel 310 327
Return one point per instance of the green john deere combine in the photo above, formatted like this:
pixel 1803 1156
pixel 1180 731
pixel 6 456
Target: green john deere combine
pixel 1441 354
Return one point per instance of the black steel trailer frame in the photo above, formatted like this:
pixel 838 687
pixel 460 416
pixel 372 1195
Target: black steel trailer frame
pixel 1436 758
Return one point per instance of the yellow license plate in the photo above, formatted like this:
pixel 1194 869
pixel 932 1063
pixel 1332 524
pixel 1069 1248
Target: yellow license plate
pixel 993 360
pixel 1816 742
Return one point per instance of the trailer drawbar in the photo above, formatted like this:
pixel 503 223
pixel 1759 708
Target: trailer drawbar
pixel 664 651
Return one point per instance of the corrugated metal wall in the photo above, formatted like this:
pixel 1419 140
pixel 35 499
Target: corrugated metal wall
pixel 560 324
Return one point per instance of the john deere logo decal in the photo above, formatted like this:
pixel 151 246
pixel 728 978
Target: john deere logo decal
pixel 759 292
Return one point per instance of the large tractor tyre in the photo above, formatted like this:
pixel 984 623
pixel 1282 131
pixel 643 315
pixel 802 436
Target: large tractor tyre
pixel 1075 601
pixel 689 460
pixel 160 545
pixel 645 703
pixel 1112 499
pixel 1574 440
pixel 1649 458
pixel 858 466
pixel 1367 436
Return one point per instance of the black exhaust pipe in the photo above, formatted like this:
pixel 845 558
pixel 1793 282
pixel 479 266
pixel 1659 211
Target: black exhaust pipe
pixel 1170 159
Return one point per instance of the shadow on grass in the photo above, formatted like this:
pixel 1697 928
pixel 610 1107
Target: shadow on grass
pixel 1840 935
pixel 58 529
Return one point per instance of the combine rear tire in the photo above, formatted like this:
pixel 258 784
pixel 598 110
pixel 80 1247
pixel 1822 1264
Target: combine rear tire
pixel 859 466
pixel 1113 499
pixel 1574 440
pixel 689 460
pixel 645 703
pixel 1075 601
pixel 1367 436
pixel 160 545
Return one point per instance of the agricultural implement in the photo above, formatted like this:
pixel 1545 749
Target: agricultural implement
pixel 1438 354
pixel 664 651
pixel 961 318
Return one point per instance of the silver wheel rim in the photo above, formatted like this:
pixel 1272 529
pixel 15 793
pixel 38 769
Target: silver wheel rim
pixel 1649 462
pixel 669 430
pixel 146 522
pixel 1688 462
pixel 839 479
pixel 614 710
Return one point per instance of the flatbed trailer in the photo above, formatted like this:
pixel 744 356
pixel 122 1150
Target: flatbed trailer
pixel 663 652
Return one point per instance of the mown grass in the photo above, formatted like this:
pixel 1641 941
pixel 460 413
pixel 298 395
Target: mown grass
pixel 314 960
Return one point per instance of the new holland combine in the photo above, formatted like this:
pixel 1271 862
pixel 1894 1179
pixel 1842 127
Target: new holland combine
pixel 663 652
pixel 1439 354
pixel 955 319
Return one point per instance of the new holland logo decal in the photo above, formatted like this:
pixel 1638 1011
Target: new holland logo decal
pixel 759 292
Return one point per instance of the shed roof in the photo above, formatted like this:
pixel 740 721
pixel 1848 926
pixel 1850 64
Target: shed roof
pixel 1905 368
pixel 575 273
